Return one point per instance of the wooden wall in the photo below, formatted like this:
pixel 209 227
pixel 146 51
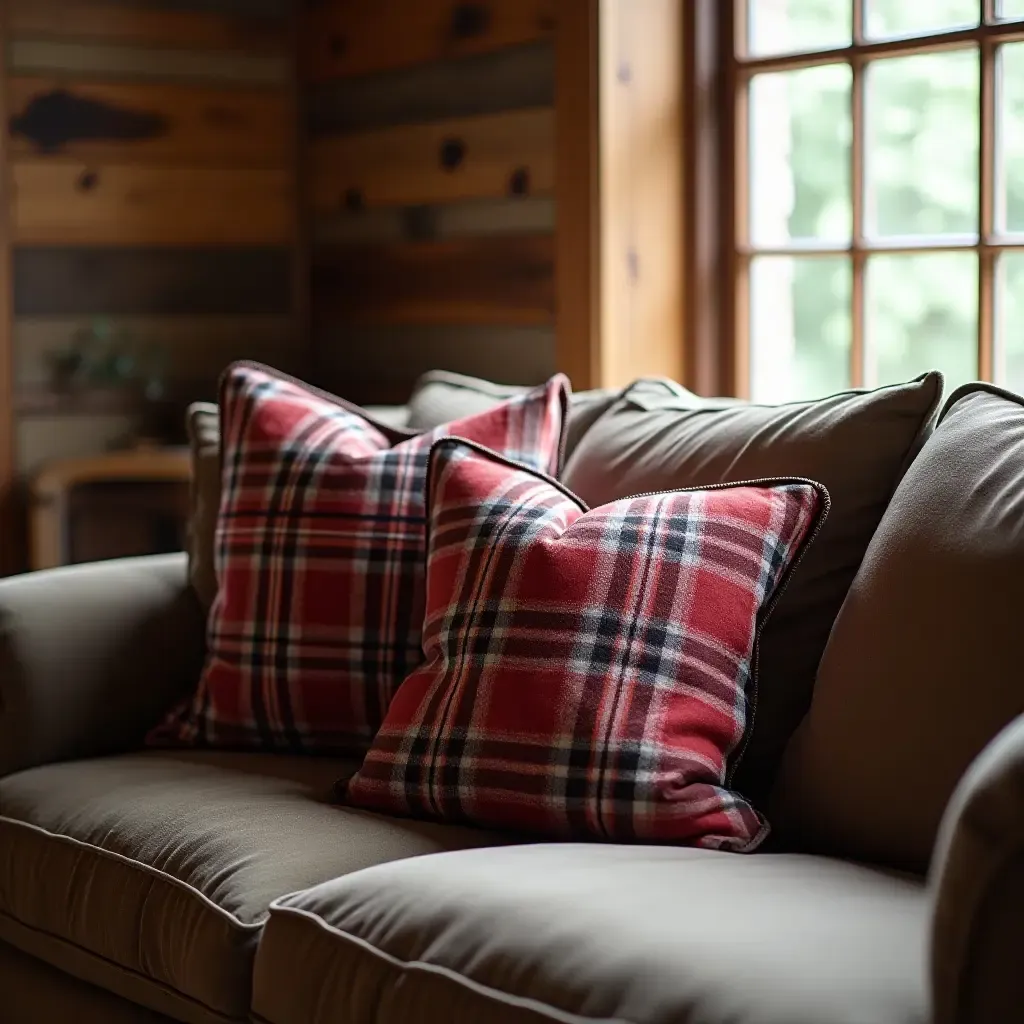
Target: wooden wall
pixel 430 190
pixel 151 159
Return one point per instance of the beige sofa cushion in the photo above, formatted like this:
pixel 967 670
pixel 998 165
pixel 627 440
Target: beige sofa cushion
pixel 33 992
pixel 577 933
pixel 923 666
pixel 202 424
pixel 857 444
pixel 441 396
pixel 150 874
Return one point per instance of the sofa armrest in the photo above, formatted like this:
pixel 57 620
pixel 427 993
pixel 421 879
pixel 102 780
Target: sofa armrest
pixel 92 655
pixel 977 877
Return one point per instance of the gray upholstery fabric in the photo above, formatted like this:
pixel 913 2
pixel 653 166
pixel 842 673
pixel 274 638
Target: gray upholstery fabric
pixel 978 879
pixel 857 444
pixel 150 874
pixel 202 422
pixel 92 655
pixel 441 396
pixel 923 667
pixel 33 992
pixel 572 933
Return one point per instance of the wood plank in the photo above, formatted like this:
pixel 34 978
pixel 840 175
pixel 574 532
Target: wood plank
pixel 620 233
pixel 578 194
pixel 381 364
pixel 144 122
pixel 463 281
pixel 74 203
pixel 43 438
pixel 119 22
pixel 486 84
pixel 11 517
pixel 44 56
pixel 357 37
pixel 466 158
pixel 189 348
pixel 531 216
pixel 151 281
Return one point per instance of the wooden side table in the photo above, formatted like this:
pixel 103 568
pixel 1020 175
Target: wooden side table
pixel 51 490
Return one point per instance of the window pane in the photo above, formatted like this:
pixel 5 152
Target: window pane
pixel 790 26
pixel 1009 317
pixel 922 314
pixel 799 326
pixel 1010 195
pixel 922 144
pixel 800 155
pixel 887 18
pixel 1009 9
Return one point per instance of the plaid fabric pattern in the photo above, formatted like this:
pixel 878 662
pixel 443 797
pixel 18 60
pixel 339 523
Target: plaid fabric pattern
pixel 586 672
pixel 320 561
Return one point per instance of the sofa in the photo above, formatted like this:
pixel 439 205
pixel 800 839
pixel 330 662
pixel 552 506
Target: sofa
pixel 198 885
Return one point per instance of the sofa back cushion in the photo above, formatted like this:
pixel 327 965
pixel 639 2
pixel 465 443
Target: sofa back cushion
pixel 441 396
pixel 857 444
pixel 922 668
pixel 202 422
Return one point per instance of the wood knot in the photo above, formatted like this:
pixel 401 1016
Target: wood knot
pixel 519 182
pixel 470 21
pixel 453 152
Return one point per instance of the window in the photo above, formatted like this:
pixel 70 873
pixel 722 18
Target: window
pixel 872 200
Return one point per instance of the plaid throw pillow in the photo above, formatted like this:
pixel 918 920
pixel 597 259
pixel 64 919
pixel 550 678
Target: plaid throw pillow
pixel 587 672
pixel 320 560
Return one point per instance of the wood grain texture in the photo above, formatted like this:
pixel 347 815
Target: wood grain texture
pixel 72 203
pixel 487 84
pixel 11 521
pixel 475 218
pixel 134 122
pixel 620 232
pixel 42 438
pixel 406 165
pixel 57 281
pixel 357 37
pixel 642 149
pixel 120 22
pixel 103 60
pixel 381 364
pixel 464 281
pixel 578 189
pixel 189 348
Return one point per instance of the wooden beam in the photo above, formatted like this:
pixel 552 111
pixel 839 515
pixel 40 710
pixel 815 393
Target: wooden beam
pixel 119 22
pixel 145 122
pixel 442 161
pixel 358 37
pixel 159 281
pixel 70 203
pixel 619 189
pixel 504 280
pixel 11 537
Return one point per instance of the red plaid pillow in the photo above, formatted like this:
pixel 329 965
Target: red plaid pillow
pixel 320 559
pixel 586 672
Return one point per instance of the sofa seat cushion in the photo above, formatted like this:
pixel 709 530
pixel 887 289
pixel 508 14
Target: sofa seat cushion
pixel 560 932
pixel 151 874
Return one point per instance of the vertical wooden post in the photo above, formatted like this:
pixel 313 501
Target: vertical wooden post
pixel 11 559
pixel 578 193
pixel 619 190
